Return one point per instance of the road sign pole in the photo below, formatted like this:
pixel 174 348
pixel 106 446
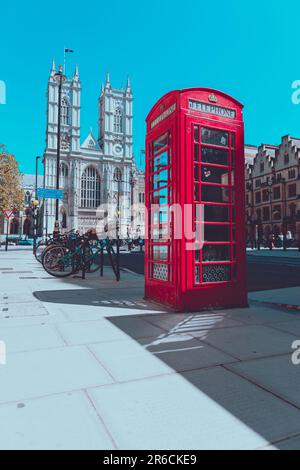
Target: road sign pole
pixel 7 229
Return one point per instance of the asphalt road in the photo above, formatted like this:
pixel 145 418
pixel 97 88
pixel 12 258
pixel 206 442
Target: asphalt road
pixel 263 274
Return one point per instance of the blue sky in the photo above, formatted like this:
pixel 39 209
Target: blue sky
pixel 248 49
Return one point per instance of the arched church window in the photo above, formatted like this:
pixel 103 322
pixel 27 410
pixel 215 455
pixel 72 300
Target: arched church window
pixel 63 175
pixel 117 179
pixel 118 120
pixel 64 111
pixel 117 174
pixel 90 188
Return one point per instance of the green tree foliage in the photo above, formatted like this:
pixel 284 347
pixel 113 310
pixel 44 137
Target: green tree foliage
pixel 11 193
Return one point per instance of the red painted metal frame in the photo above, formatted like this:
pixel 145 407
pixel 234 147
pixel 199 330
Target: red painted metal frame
pixel 172 114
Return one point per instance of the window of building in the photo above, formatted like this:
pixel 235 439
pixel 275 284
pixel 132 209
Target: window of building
pixel 286 158
pixel 292 210
pixel 292 173
pixel 90 188
pixel 64 111
pixel 118 120
pixel 247 199
pixel 292 190
pixel 261 167
pixel 276 192
pixel 258 214
pixel 266 213
pixel 258 183
pixel 258 197
pixel 141 198
pixel 265 195
pixel 277 212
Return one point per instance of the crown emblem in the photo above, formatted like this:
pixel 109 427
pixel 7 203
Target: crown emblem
pixel 212 98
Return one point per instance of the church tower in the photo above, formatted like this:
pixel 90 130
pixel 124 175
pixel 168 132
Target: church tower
pixel 70 113
pixel 115 120
pixel 69 147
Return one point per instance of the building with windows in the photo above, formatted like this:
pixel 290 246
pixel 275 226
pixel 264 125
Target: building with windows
pixel 99 171
pixel 273 190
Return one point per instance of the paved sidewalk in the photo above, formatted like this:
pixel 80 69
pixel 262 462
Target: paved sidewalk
pixel 91 365
pixel 278 252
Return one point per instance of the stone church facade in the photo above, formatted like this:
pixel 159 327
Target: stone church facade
pixel 99 171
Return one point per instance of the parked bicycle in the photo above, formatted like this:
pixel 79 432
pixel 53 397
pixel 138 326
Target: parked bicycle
pixel 79 253
pixel 50 240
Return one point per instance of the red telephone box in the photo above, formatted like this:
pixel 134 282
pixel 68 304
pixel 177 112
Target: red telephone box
pixel 195 253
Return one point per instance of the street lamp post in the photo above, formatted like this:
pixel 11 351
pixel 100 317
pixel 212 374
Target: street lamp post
pixel 270 192
pixel 35 213
pixel 131 183
pixel 59 77
pixel 34 208
pixel 118 181
pixel 36 175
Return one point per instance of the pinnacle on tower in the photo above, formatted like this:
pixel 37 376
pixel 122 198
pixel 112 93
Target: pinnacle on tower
pixel 76 73
pixel 52 71
pixel 107 84
pixel 128 87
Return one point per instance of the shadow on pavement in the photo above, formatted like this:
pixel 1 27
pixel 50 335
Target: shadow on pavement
pixel 110 297
pixel 185 346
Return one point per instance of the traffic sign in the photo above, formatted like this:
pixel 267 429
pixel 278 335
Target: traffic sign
pixel 8 213
pixel 50 193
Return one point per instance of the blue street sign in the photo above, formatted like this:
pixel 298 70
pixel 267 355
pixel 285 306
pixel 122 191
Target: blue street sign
pixel 50 193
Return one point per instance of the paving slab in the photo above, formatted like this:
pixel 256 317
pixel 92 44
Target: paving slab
pixel 289 295
pixel 87 332
pixel 18 297
pixel 293 443
pixel 34 374
pixel 128 360
pixel 277 374
pixel 48 318
pixel 30 337
pixel 250 341
pixel 288 326
pixel 66 421
pixel 259 315
pixel 80 313
pixel 27 309
pixel 269 416
pixel 171 413
pixel 190 324
pixel 136 327
pixel 182 352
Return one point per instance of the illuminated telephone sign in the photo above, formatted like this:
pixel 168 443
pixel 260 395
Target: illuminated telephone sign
pixel 195 253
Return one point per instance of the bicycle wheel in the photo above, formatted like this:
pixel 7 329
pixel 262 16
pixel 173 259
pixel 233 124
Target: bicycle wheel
pixel 60 261
pixel 39 251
